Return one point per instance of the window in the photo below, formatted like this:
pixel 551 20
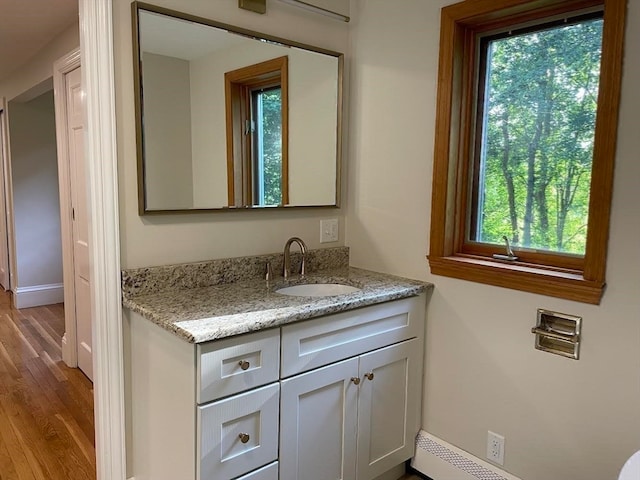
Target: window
pixel 266 161
pixel 525 142
pixel 257 134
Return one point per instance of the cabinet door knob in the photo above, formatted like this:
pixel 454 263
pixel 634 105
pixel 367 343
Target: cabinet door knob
pixel 244 437
pixel 355 380
pixel 369 376
pixel 244 364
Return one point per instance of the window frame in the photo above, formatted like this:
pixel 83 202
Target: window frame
pixel 565 276
pixel 239 85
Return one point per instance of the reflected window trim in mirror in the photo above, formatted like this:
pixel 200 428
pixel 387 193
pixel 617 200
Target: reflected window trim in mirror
pixel 244 142
pixel 330 140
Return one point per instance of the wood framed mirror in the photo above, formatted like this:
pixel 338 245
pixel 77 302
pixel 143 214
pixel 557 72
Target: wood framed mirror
pixel 229 119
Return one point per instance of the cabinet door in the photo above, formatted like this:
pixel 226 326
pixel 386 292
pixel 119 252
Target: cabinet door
pixel 388 407
pixel 318 423
pixel 238 434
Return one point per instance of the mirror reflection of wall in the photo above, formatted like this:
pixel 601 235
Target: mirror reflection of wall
pixel 193 157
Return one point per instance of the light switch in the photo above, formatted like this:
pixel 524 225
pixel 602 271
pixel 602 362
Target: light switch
pixel 329 230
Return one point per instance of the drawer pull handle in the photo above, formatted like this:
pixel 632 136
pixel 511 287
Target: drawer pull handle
pixel 369 376
pixel 355 380
pixel 244 437
pixel 244 364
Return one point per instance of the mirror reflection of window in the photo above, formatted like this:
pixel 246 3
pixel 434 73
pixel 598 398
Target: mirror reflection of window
pixel 193 154
pixel 256 98
pixel 267 140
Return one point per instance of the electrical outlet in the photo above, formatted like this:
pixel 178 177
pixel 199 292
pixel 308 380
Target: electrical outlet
pixel 329 230
pixel 495 447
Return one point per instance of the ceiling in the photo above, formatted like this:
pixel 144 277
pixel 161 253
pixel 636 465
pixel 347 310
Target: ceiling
pixel 26 26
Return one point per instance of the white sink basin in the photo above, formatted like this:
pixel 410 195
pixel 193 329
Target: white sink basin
pixel 317 290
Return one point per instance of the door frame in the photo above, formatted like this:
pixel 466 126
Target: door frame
pixel 97 59
pixel 8 195
pixel 61 68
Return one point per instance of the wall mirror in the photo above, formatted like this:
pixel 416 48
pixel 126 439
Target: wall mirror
pixel 229 119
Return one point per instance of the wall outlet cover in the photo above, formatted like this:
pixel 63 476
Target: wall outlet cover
pixel 495 447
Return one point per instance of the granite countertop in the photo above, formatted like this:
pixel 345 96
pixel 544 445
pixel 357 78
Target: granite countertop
pixel 203 313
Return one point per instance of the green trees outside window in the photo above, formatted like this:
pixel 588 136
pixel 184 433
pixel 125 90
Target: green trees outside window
pixel 268 167
pixel 536 126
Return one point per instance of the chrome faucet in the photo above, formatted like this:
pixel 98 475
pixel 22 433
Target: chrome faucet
pixel 286 273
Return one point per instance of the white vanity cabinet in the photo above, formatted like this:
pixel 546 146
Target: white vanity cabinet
pixel 333 397
pixel 357 418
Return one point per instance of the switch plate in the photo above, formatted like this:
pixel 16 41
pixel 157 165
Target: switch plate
pixel 329 230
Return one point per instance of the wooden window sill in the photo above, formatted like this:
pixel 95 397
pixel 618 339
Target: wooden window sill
pixel 567 284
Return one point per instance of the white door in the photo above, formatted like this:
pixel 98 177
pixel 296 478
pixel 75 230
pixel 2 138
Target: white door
pixel 80 219
pixel 4 239
pixel 318 421
pixel 388 410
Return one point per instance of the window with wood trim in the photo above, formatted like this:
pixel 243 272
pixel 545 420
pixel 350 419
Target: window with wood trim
pixel 257 134
pixel 526 126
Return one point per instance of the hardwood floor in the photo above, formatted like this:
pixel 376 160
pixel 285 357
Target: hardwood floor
pixel 46 408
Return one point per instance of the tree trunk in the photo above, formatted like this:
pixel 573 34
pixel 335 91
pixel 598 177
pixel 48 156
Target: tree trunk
pixel 508 178
pixel 543 180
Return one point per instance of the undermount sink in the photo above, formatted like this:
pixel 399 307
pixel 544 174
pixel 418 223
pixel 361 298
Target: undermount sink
pixel 317 290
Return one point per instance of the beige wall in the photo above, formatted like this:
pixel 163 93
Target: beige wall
pixel 36 204
pixel 167 130
pixel 170 239
pixel 562 419
pixel 312 123
pixel 40 68
pixel 34 175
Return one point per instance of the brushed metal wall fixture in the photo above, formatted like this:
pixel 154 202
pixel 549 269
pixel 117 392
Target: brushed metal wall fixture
pixel 316 9
pixel 258 6
pixel 558 333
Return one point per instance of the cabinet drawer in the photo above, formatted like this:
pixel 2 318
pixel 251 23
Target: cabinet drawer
pixel 270 472
pixel 314 343
pixel 238 434
pixel 236 364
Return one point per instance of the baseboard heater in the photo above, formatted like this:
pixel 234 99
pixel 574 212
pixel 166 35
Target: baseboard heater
pixel 440 460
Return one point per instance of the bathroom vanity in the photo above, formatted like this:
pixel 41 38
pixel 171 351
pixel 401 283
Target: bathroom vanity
pixel 236 381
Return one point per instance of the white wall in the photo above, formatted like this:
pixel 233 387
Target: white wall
pixel 167 131
pixel 562 419
pixel 171 239
pixel 35 191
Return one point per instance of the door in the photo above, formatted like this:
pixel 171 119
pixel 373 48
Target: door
pixel 388 409
pixel 4 239
pixel 80 219
pixel 318 423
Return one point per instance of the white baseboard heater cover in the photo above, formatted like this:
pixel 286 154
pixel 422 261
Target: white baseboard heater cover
pixel 440 460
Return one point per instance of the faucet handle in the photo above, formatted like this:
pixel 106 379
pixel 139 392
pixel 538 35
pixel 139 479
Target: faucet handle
pixel 269 275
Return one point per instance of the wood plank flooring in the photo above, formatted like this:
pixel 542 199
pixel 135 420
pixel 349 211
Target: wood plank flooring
pixel 46 408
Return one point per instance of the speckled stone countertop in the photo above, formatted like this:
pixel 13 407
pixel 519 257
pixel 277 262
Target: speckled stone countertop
pixel 199 313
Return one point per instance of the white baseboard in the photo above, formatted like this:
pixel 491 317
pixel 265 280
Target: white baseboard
pixel 440 460
pixel 25 297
